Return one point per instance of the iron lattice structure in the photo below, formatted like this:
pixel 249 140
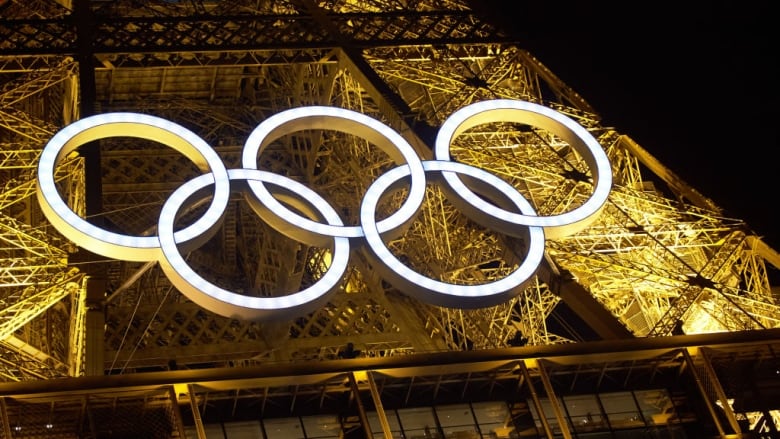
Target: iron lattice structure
pixel 661 257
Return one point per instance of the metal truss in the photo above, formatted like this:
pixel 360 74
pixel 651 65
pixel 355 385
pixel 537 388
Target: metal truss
pixel 660 259
pixel 177 403
pixel 121 28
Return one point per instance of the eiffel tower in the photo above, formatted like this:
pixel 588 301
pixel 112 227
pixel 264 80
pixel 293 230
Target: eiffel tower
pixel 661 297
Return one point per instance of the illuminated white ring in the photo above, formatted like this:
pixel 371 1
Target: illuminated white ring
pixel 343 120
pixel 104 242
pixel 442 293
pixel 535 115
pixel 230 304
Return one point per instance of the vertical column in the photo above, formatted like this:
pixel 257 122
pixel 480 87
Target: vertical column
pixel 4 418
pixel 176 412
pixel 703 391
pixel 85 31
pixel 556 405
pixel 77 330
pixel 95 321
pixel 535 398
pixel 96 276
pixel 196 412
pixel 721 394
pixel 361 409
pixel 380 410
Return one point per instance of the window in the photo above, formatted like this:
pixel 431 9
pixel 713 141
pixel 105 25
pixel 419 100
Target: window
pixel 242 430
pixel 321 427
pixel 376 426
pixel 656 406
pixel 584 412
pixel 621 410
pixel 457 421
pixel 283 428
pixel 493 419
pixel 418 423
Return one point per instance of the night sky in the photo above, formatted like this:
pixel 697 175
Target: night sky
pixel 694 83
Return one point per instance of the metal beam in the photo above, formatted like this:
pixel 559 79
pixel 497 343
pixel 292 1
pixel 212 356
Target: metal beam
pixel 554 402
pixel 402 365
pixel 198 32
pixel 606 325
pixel 380 409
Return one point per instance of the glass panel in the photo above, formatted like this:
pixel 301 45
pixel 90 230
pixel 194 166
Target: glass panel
pixel 418 423
pixel 211 430
pixel 454 415
pixel 584 412
pixel 380 435
pixel 321 426
pixel 214 431
pixel 461 432
pixel 456 421
pixel 549 413
pixel 491 412
pixel 425 433
pixel 376 426
pixel 493 419
pixel 283 428
pixel 621 409
pixel 656 406
pixel 242 430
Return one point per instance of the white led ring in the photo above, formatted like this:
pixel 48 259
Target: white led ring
pixel 104 242
pixel 231 304
pixel 336 119
pixel 442 293
pixel 535 115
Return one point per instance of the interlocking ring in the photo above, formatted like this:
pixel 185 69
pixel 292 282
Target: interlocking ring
pixel 535 115
pixel 442 293
pixel 302 214
pixel 227 303
pixel 104 242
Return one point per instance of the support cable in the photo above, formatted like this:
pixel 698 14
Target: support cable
pixel 151 320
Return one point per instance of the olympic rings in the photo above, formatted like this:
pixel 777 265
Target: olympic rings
pixel 278 201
